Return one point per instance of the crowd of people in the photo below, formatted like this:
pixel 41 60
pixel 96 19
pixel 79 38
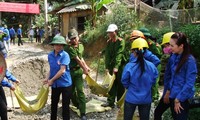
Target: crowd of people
pixel 135 63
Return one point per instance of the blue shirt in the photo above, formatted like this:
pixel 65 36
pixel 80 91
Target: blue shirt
pixel 55 62
pixel 148 55
pixel 8 34
pixel 139 87
pixel 12 32
pixel 19 31
pixel 181 84
pixel 9 76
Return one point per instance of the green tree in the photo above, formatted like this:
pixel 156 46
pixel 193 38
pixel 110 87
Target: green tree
pixel 185 4
pixel 96 5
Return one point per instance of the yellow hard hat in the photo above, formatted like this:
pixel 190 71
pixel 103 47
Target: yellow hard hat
pixel 167 37
pixel 139 43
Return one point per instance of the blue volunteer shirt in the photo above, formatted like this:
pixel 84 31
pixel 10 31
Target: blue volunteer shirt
pixel 181 84
pixel 12 32
pixel 139 87
pixel 19 31
pixel 8 34
pixel 55 62
pixel 9 76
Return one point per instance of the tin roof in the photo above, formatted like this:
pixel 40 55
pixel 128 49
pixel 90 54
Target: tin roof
pixel 74 8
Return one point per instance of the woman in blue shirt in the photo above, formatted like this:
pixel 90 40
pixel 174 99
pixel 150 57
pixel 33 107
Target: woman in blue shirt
pixel 59 78
pixel 138 77
pixel 181 73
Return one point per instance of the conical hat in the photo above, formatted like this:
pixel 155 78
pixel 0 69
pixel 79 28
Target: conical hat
pixel 3 67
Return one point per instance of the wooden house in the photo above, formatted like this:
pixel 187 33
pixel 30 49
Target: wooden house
pixel 75 14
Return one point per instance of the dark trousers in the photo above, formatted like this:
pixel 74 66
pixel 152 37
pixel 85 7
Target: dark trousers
pixel 12 40
pixel 3 106
pixel 184 113
pixel 38 39
pixel 19 40
pixel 129 109
pixel 160 109
pixel 116 90
pixel 66 96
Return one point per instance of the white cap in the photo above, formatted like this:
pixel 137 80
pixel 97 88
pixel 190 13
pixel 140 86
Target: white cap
pixel 112 28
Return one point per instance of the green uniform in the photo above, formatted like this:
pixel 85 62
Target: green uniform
pixel 127 52
pixel 164 60
pixel 78 96
pixel 156 49
pixel 113 59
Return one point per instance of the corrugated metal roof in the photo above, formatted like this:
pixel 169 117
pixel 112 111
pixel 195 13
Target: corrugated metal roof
pixel 74 8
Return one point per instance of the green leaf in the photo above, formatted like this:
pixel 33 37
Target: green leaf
pixel 101 3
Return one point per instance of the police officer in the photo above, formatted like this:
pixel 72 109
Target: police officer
pixel 167 52
pixel 156 49
pixel 113 63
pixel 77 67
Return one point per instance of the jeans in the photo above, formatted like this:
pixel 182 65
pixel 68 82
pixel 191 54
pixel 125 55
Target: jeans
pixel 129 109
pixel 160 109
pixel 66 96
pixel 3 106
pixel 184 112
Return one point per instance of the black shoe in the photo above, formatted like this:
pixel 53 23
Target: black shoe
pixel 83 117
pixel 107 105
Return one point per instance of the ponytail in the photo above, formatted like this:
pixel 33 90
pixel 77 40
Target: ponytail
pixel 140 60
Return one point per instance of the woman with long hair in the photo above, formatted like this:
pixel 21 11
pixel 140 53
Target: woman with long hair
pixel 181 72
pixel 138 77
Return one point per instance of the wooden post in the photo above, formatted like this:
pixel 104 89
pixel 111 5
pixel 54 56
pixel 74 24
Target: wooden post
pixel 46 20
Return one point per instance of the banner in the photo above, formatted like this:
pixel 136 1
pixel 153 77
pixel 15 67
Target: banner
pixel 19 7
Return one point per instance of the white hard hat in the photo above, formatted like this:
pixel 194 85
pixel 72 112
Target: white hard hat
pixel 112 28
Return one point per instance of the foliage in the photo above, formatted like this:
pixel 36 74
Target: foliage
pixel 194 114
pixel 197 87
pixel 192 32
pixel 185 4
pixel 100 67
pixel 40 19
pixel 158 33
pixel 167 115
pixel 124 18
pixel 96 5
